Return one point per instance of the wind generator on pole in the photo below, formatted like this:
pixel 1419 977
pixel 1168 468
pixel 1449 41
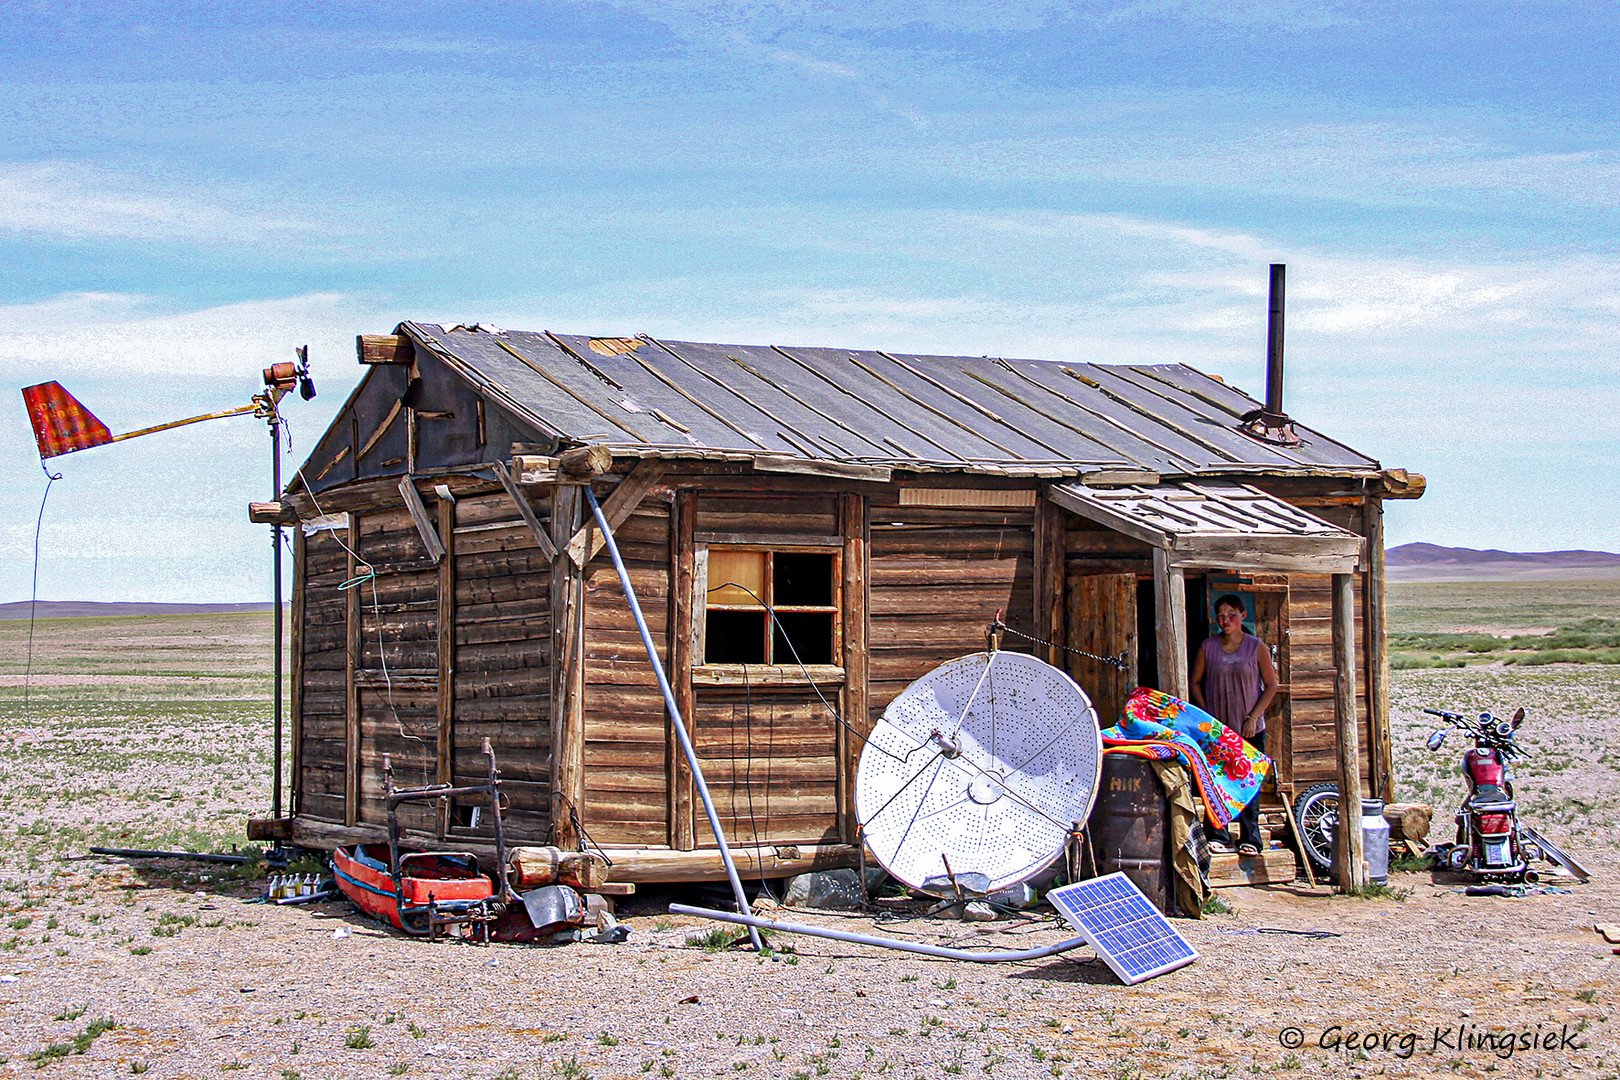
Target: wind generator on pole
pixel 64 426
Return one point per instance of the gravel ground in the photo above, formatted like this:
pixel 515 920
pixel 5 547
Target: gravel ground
pixel 202 983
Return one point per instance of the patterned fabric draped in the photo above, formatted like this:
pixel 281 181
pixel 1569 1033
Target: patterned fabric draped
pixel 1229 771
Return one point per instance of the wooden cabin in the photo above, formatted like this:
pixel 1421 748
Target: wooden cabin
pixel 449 586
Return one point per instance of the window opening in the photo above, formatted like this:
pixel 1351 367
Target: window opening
pixel 746 584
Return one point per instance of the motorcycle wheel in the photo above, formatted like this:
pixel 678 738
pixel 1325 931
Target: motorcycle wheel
pixel 1316 819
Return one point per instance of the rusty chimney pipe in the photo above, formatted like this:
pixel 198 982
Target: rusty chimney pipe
pixel 1269 423
pixel 1274 345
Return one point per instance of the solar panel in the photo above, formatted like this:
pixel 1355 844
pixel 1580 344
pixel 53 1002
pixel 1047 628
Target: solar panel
pixel 1128 932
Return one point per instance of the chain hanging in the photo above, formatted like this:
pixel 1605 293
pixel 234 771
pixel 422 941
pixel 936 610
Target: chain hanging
pixel 993 632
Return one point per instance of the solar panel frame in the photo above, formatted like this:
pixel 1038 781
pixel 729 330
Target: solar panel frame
pixel 1131 935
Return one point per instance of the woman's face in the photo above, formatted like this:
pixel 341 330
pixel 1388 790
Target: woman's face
pixel 1229 618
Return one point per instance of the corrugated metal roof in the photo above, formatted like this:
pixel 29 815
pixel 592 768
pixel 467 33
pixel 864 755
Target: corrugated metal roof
pixel 647 396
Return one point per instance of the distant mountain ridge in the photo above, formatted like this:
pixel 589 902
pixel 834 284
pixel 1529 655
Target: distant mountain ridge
pixel 1434 555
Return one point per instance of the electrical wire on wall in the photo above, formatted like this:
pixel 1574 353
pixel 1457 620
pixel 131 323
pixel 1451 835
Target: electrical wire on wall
pixel 360 581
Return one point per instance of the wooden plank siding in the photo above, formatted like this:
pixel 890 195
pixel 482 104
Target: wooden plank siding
pixel 771 753
pixel 938 577
pixel 626 739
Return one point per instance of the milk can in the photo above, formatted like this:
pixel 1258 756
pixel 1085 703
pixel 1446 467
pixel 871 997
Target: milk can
pixel 1375 840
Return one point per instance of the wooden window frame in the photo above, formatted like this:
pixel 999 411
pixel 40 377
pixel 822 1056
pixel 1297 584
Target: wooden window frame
pixel 781 672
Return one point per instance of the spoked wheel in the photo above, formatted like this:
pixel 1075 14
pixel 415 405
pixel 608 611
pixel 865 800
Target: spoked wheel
pixel 1316 819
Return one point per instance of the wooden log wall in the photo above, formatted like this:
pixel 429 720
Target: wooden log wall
pixel 626 737
pixel 939 575
pixel 502 660
pixel 319 723
pixel 396 678
pixel 1311 708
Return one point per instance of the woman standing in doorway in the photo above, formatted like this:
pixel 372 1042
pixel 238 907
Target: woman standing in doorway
pixel 1234 681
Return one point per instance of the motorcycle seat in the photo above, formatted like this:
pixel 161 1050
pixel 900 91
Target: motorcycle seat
pixel 1490 797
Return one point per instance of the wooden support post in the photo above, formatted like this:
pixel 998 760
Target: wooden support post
pixel 526 512
pixel 296 656
pixel 1376 623
pixel 853 517
pixel 1170 619
pixel 419 517
pixel 1348 844
pixel 1050 557
pixel 447 650
pixel 685 593
pixel 351 688
pixel 617 508
pixel 567 671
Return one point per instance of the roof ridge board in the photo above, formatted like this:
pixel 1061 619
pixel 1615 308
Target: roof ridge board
pixel 1121 425
pixel 967 400
pixel 793 396
pixel 759 407
pixel 865 402
pixel 422 336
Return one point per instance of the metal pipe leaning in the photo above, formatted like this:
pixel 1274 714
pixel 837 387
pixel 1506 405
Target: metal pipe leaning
pixel 943 951
pixel 674 711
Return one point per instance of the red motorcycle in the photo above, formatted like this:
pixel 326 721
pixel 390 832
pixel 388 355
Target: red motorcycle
pixel 1490 841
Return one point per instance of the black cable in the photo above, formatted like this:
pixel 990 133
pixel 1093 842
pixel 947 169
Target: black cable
pixel 837 719
pixel 33 599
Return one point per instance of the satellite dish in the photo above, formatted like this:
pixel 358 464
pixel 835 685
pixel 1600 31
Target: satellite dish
pixel 984 763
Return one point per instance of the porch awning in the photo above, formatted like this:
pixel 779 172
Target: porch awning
pixel 1217 523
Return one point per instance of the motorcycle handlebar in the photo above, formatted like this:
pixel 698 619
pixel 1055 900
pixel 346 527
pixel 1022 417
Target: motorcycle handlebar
pixel 1445 715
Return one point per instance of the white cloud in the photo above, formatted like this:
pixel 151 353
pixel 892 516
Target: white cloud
pixel 125 335
pixel 77 201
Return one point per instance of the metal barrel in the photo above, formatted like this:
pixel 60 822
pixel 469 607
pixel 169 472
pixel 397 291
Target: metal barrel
pixel 1130 828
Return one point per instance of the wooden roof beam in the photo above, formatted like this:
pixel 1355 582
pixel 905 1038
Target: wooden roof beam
pixel 393 349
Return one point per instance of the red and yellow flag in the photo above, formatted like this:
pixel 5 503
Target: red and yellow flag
pixel 61 424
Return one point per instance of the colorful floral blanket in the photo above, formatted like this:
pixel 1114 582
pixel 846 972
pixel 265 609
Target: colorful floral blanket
pixel 1228 770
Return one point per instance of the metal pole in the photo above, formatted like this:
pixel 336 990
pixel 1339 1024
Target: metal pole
pixel 882 942
pixel 674 713
pixel 275 541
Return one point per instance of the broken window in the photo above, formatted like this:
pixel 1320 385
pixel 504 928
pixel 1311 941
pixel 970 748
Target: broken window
pixel 747 585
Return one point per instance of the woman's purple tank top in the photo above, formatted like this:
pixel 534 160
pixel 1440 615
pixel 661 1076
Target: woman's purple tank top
pixel 1232 681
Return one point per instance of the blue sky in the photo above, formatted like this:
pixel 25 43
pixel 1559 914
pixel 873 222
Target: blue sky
pixel 187 192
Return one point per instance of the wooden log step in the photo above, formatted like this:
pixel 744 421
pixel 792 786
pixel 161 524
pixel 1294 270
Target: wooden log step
pixel 1272 866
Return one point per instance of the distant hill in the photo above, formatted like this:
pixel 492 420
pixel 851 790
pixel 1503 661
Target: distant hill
pixel 1431 562
pixel 70 609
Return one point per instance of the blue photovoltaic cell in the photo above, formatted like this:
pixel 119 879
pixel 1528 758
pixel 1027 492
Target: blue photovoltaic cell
pixel 1127 931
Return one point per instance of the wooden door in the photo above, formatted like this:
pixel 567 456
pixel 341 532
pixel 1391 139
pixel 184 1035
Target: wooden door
pixel 1101 619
